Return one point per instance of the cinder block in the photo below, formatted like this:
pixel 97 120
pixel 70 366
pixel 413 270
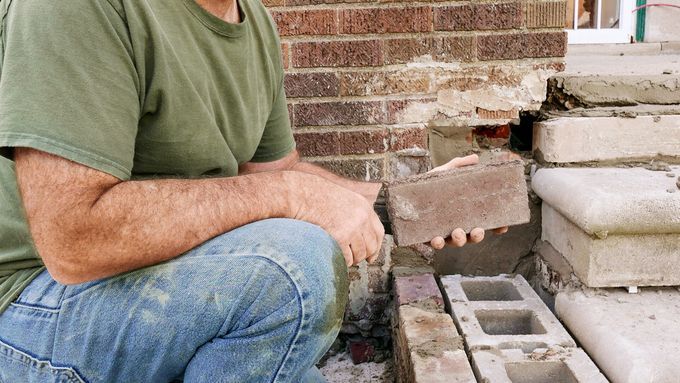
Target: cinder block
pixel 502 312
pixel 429 205
pixel 564 365
pixel 428 348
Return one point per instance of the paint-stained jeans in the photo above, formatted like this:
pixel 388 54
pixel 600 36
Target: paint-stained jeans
pixel 261 303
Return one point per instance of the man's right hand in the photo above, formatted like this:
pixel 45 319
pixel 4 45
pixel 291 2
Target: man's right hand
pixel 347 216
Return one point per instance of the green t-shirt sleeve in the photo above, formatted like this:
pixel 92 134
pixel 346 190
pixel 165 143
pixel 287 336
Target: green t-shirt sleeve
pixel 68 84
pixel 277 140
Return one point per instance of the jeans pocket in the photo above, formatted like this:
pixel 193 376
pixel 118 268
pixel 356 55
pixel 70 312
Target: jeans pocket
pixel 20 366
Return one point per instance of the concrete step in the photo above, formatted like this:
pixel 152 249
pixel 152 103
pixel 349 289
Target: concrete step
pixel 615 227
pixel 613 139
pixel 632 337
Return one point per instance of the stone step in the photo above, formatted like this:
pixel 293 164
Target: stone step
pixel 615 227
pixel 631 337
pixel 590 139
pixel 603 201
pixel 570 90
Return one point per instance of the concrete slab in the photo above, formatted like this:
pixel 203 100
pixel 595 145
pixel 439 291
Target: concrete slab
pixel 429 205
pixel 606 201
pixel 614 260
pixel 632 337
pixel 618 65
pixel 563 365
pixel 585 139
pixel 502 312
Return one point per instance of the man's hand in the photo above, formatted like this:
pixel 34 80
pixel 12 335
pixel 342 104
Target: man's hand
pixel 458 236
pixel 347 216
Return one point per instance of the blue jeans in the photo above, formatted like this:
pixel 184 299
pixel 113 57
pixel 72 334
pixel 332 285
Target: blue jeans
pixel 261 303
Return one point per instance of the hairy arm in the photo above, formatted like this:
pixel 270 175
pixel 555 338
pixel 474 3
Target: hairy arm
pixel 88 225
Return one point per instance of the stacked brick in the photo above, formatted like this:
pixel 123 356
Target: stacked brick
pixel 365 78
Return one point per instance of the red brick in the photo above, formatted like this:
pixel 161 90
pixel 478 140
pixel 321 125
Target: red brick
pixel 316 2
pixel 401 51
pixel 545 44
pixel 455 48
pixel 337 53
pixel 370 169
pixel 285 48
pixel 311 85
pixel 486 196
pixel 327 143
pixel 307 22
pixel 339 113
pixel 386 20
pixel 272 3
pixel 418 289
pixel 497 114
pixel 546 14
pixel 406 138
pixel 454 18
pixel 361 351
pixel 500 47
pixel 384 83
pixel 478 17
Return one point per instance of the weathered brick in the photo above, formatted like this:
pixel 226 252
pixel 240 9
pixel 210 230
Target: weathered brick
pixel 545 44
pixel 285 48
pixel 339 113
pixel 384 83
pixel 454 48
pixel 500 47
pixel 401 51
pixel 546 14
pixel 418 290
pixel 316 2
pixel 307 22
pixel 454 18
pixel 386 20
pixel 337 53
pixel 407 138
pixel 485 16
pixel 411 111
pixel 486 196
pixel 311 85
pixel 272 3
pixel 406 164
pixel 497 114
pixel 328 143
pixel 370 169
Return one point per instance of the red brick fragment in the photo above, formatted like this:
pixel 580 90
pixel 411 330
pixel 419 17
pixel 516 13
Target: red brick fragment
pixel 433 204
pixel 361 351
pixel 418 289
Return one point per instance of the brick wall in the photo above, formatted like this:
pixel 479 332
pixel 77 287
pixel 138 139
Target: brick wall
pixel 383 89
pixel 365 79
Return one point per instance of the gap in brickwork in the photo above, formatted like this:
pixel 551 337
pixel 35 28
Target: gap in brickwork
pixel 509 322
pixel 540 372
pixel 490 291
pixel 521 134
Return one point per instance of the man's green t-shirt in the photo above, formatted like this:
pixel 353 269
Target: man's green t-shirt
pixel 136 89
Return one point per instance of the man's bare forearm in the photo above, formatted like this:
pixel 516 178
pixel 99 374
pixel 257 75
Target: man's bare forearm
pixel 116 226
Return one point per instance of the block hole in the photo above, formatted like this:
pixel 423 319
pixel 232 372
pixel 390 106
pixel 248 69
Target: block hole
pixel 540 372
pixel 490 291
pixel 509 322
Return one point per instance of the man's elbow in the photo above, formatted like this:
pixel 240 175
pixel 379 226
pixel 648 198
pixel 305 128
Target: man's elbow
pixel 66 266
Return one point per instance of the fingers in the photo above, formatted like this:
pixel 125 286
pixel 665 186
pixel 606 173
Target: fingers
pixel 458 238
pixel 358 246
pixel 457 162
pixel 379 235
pixel 477 235
pixel 438 243
pixel 347 254
pixel 501 230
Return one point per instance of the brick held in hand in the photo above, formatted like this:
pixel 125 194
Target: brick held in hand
pixel 433 204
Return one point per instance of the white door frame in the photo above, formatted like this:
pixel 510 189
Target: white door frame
pixel 619 35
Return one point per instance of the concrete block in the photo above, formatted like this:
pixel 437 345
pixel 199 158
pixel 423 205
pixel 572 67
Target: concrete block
pixel 502 312
pixel 564 365
pixel 433 204
pixel 584 139
pixel 632 337
pixel 606 201
pixel 428 348
pixel 613 260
